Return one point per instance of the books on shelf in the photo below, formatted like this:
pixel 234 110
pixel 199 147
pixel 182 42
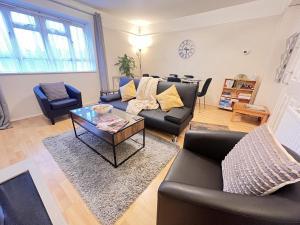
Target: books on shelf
pixel 225 103
pixel 245 96
pixel 236 91
pixel 111 123
pixel 229 83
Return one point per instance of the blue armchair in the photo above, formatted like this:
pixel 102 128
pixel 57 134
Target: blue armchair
pixel 56 108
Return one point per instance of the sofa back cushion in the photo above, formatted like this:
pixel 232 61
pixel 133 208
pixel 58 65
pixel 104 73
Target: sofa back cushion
pixel 124 80
pixel 187 92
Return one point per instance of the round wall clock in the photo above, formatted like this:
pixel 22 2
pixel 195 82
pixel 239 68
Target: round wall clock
pixel 186 49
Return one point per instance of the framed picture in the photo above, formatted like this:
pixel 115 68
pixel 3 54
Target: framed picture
pixel 281 72
pixel 25 197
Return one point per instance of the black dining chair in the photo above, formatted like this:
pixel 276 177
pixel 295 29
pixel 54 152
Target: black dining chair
pixel 145 75
pixel 174 79
pixel 155 76
pixel 189 76
pixel 203 92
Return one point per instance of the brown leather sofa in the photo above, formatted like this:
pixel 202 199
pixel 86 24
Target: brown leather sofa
pixel 191 193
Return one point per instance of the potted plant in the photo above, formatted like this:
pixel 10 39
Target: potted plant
pixel 126 65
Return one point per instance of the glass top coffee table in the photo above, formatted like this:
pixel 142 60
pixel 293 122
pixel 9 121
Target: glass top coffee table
pixel 88 119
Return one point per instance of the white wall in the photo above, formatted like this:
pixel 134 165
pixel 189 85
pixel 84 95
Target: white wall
pixel 271 90
pixel 219 52
pixel 18 88
pixel 116 44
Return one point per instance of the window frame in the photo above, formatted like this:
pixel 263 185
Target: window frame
pixel 40 20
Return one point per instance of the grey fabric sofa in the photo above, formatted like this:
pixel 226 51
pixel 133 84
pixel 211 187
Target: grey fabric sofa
pixel 192 192
pixel 172 122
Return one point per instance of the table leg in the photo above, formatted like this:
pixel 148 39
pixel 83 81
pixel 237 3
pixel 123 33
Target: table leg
pixel 115 157
pixel 74 128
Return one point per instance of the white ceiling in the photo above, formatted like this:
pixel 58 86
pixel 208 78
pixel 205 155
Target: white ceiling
pixel 154 11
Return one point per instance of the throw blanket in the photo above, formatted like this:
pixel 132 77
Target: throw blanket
pixel 145 96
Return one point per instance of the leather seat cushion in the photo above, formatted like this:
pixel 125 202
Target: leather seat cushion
pixel 178 115
pixel 118 104
pixel 63 103
pixel 192 169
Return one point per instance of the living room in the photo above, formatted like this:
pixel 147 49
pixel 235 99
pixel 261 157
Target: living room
pixel 138 112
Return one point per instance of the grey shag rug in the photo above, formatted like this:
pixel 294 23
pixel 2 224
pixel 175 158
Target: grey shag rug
pixel 109 191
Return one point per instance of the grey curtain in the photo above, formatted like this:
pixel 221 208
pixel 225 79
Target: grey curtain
pixel 4 114
pixel 100 49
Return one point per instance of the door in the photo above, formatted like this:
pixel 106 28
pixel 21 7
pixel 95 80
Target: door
pixel 285 120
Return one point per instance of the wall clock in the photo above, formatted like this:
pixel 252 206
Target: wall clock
pixel 186 49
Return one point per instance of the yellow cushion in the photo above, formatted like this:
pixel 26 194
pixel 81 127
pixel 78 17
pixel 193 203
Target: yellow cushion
pixel 128 91
pixel 169 99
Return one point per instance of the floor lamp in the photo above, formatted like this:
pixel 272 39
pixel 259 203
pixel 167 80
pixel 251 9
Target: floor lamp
pixel 140 42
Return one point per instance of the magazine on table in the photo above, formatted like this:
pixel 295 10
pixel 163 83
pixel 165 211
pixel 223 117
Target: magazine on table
pixel 111 123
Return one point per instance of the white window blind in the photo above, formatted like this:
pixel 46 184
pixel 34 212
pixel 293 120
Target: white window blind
pixel 31 43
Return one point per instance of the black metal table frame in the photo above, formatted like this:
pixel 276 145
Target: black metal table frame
pixel 115 163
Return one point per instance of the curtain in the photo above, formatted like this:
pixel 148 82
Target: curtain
pixel 100 49
pixel 4 115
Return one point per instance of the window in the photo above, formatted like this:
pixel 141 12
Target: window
pixel 32 43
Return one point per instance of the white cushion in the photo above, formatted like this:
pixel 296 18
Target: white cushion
pixel 259 165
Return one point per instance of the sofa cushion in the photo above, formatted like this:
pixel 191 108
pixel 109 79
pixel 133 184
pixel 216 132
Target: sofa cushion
pixel 125 80
pixel 110 97
pixel 178 115
pixel 187 92
pixel 169 99
pixel 55 91
pixel 259 165
pixel 63 103
pixel 128 91
pixel 185 167
pixel 118 104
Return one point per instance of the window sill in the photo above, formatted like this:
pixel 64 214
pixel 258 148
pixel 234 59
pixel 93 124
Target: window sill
pixel 46 73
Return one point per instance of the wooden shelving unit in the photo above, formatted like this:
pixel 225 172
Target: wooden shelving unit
pixel 236 91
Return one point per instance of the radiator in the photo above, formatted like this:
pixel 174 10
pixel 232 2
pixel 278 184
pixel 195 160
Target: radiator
pixel 288 130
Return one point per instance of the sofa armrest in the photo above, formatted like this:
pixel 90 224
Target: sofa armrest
pixel 42 100
pixel 186 204
pixel 73 92
pixel 110 97
pixel 212 144
pixel 178 115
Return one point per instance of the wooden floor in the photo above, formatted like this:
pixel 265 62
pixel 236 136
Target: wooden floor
pixel 24 141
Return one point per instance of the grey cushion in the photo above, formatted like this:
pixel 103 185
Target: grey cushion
pixel 54 91
pixel 178 115
pixel 110 97
pixel 63 103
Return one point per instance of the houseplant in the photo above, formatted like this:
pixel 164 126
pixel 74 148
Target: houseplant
pixel 126 65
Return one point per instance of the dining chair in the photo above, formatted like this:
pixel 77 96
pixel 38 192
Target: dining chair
pixel 145 75
pixel 203 92
pixel 174 79
pixel 155 76
pixel 189 76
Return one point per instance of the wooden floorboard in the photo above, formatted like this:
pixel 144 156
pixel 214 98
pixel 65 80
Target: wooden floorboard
pixel 24 140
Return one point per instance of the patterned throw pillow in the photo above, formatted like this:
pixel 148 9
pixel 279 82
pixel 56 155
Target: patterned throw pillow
pixel 55 91
pixel 258 165
pixel 128 91
pixel 169 99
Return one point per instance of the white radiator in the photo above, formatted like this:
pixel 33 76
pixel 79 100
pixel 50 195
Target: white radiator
pixel 288 130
